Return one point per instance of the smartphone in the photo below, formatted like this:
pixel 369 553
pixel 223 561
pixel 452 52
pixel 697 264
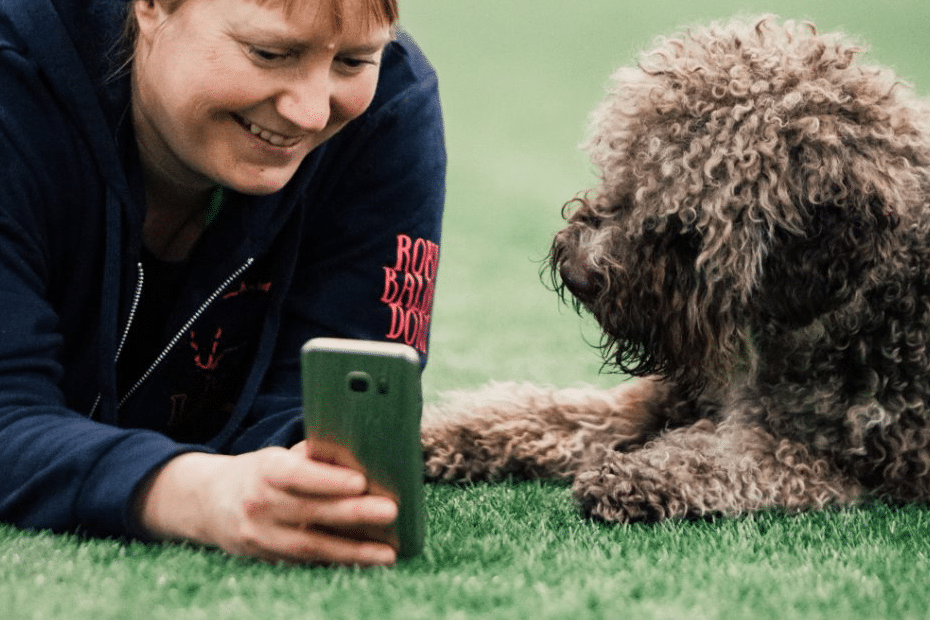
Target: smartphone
pixel 365 397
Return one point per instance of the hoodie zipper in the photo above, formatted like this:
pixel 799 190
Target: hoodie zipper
pixel 178 335
pixel 136 297
pixel 184 328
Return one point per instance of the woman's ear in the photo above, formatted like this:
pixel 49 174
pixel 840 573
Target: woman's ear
pixel 150 14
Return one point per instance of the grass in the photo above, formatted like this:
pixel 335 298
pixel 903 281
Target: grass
pixel 518 79
pixel 505 551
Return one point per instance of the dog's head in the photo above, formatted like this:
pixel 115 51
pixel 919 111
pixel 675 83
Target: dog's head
pixel 750 173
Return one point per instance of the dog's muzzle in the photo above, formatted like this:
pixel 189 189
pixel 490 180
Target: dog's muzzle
pixel 578 280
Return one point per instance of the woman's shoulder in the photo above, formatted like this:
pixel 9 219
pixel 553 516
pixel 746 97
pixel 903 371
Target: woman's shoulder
pixel 405 50
pixel 405 70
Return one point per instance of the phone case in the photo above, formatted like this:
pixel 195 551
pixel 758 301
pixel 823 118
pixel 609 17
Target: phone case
pixel 365 396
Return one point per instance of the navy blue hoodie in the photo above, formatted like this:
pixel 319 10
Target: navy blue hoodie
pixel 348 248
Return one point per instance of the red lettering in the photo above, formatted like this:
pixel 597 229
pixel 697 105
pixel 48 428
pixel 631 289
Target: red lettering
pixel 418 257
pixel 403 252
pixel 411 324
pixel 431 261
pixel 426 301
pixel 421 291
pixel 409 290
pixel 411 299
pixel 419 341
pixel 391 287
pixel 397 322
pixel 213 357
pixel 262 287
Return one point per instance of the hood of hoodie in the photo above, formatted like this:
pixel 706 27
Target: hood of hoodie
pixel 70 41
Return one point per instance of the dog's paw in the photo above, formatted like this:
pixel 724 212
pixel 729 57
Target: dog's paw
pixel 459 454
pixel 619 493
pixel 443 460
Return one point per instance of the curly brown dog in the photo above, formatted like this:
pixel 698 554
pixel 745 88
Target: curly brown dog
pixel 757 255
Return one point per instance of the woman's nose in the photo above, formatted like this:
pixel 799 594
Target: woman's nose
pixel 307 102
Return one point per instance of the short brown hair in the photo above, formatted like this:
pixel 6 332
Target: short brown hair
pixel 380 12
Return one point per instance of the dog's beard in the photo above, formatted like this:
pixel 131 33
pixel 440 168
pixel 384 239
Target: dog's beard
pixel 625 340
pixel 634 340
pixel 654 315
pixel 629 344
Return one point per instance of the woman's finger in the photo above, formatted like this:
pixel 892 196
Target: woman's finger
pixel 330 452
pixel 300 546
pixel 363 511
pixel 292 472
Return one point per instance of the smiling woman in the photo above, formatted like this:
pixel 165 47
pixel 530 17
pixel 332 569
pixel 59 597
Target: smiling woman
pixel 235 93
pixel 172 235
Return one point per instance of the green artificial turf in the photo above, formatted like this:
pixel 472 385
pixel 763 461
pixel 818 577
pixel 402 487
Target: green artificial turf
pixel 506 551
pixel 518 78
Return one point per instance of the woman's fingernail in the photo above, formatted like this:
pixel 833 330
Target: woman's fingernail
pixel 382 555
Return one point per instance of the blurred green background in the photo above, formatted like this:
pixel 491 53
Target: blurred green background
pixel 518 79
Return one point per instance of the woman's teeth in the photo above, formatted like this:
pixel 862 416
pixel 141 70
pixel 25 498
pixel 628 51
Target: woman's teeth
pixel 269 136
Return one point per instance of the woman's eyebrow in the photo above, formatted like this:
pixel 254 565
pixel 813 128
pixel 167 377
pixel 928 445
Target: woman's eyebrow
pixel 287 38
pixel 369 45
pixel 366 48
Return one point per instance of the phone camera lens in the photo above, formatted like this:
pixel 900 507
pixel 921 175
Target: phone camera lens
pixel 359 381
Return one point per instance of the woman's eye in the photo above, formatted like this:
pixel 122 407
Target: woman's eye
pixel 352 63
pixel 266 55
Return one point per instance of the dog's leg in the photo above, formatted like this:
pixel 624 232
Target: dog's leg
pixel 708 469
pixel 526 431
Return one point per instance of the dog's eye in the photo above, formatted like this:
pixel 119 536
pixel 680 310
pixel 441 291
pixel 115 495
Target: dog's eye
pixel 694 239
pixel 688 216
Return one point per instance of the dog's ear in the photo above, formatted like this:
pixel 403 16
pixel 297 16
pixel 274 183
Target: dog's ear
pixel 813 272
pixel 791 260
pixel 774 259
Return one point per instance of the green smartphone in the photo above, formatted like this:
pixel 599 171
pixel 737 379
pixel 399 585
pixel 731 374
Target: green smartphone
pixel 365 397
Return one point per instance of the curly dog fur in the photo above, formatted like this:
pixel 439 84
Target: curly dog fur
pixel 757 255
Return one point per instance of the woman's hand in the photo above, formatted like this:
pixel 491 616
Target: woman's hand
pixel 274 504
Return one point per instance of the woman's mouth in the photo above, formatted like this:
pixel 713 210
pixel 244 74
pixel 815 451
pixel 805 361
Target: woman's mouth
pixel 271 137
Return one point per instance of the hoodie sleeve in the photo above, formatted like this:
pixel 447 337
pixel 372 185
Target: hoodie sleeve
pixel 60 470
pixel 369 254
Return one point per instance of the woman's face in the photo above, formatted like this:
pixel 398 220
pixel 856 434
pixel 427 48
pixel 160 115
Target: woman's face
pixel 237 93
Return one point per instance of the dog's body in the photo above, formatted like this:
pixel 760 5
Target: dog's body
pixel 758 256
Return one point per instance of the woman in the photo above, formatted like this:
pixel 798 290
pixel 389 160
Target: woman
pixel 266 171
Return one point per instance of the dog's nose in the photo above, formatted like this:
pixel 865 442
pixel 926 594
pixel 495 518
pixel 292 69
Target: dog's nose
pixel 578 280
